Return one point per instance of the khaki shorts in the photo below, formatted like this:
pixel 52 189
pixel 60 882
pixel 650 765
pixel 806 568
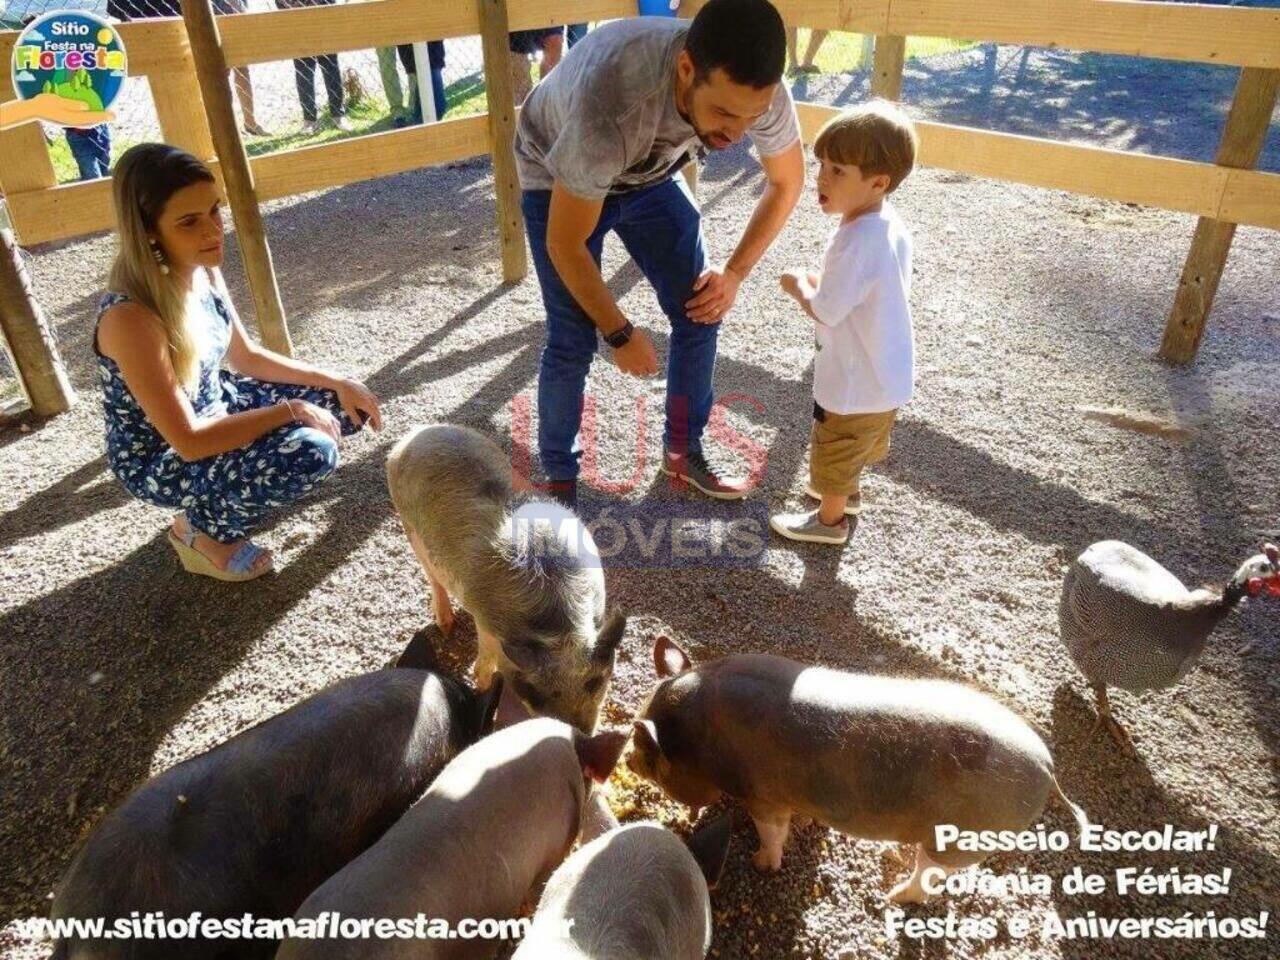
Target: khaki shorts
pixel 842 444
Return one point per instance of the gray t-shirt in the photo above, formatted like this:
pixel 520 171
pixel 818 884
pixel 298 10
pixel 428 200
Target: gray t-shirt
pixel 605 120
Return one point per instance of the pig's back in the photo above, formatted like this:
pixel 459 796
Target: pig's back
pixel 634 893
pixel 451 484
pixel 504 812
pixel 880 757
pixel 255 824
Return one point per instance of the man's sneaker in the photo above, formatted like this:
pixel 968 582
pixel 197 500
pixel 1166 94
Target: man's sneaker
pixel 809 528
pixel 711 479
pixel 851 509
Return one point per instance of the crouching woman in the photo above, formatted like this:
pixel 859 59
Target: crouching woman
pixel 224 448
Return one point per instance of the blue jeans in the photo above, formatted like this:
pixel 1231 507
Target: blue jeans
pixel 661 228
pixel 435 58
pixel 92 150
pixel 437 92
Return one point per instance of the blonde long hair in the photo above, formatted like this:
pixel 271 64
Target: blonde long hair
pixel 145 177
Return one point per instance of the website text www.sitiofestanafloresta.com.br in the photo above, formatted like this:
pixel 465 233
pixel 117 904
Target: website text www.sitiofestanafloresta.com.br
pixel 328 925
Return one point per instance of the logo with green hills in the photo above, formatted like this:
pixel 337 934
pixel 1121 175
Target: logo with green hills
pixel 70 54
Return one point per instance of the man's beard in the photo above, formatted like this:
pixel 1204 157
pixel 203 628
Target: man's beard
pixel 708 140
pixel 704 137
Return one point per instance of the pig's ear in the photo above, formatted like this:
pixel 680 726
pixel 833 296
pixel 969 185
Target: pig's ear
pixel 668 659
pixel 489 701
pixel 646 736
pixel 420 654
pixel 600 753
pixel 609 637
pixel 710 847
pixel 527 654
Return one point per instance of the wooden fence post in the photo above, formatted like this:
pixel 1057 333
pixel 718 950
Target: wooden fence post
pixel 24 155
pixel 30 340
pixel 502 129
pixel 1242 141
pixel 215 90
pixel 886 71
pixel 181 113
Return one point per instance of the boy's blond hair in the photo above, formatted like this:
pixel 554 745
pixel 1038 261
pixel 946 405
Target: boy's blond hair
pixel 877 137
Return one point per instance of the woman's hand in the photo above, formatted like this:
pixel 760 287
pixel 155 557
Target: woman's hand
pixel 359 402
pixel 318 418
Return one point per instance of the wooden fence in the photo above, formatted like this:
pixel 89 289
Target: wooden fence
pixel 1222 194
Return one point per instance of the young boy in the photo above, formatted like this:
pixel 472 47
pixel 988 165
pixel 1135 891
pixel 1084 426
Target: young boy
pixel 863 370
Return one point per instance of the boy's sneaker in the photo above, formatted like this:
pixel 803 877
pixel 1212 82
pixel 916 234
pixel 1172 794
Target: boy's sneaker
pixel 851 509
pixel 809 528
pixel 712 479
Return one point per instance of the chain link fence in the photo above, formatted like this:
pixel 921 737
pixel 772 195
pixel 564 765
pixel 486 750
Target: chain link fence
pixel 306 101
pixel 294 103
pixel 328 96
pixel 283 105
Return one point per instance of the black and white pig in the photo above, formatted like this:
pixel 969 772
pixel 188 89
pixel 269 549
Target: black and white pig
pixel 870 756
pixel 256 824
pixel 496 822
pixel 634 893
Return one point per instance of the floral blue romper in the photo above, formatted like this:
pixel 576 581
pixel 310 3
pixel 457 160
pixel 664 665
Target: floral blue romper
pixel 227 495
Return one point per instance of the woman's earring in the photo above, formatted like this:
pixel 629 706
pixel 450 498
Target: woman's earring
pixel 158 255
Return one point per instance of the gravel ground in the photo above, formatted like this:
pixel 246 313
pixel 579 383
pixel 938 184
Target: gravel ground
pixel 1027 303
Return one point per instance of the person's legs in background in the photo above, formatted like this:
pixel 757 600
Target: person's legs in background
pixel 811 51
pixel 573 33
pixel 91 149
pixel 435 53
pixel 240 75
pixel 83 153
pixel 391 81
pixel 101 139
pixel 333 89
pixel 410 64
pixel 435 57
pixel 815 43
pixel 304 74
pixel 244 92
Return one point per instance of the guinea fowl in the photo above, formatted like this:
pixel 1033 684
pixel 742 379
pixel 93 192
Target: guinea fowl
pixel 1129 623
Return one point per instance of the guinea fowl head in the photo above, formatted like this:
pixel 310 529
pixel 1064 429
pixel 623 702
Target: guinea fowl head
pixel 1259 576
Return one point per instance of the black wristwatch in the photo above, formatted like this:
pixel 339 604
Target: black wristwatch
pixel 621 336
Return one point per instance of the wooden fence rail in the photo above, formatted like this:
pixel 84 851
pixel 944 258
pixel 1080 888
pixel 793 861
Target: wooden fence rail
pixel 1226 192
